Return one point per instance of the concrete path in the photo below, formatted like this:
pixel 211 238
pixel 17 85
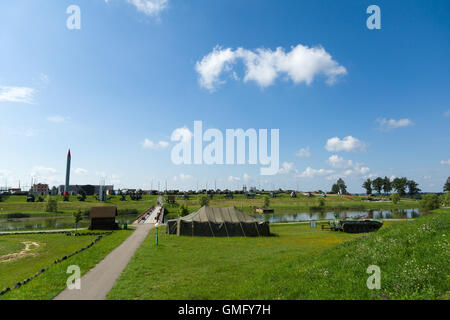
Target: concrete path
pixel 96 284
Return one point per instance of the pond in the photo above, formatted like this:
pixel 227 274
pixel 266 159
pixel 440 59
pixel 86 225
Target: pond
pixel 54 222
pixel 289 216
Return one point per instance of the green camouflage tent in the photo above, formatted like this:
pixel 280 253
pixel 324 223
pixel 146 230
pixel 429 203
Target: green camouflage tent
pixel 218 222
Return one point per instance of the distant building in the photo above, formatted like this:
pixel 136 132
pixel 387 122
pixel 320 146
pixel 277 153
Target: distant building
pixel 40 189
pixel 15 190
pixel 88 189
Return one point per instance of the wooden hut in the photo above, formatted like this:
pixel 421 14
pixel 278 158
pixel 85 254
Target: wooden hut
pixel 103 218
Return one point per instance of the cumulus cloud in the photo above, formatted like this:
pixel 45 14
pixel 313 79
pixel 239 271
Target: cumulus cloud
pixel 17 94
pixel 303 153
pixel 287 168
pixel 387 125
pixel 347 144
pixel 150 7
pixel 338 162
pixel 231 179
pixel 148 144
pixel 311 173
pixel 263 66
pixel 445 162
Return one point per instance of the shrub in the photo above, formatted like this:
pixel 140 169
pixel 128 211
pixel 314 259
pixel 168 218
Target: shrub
pixel 266 202
pixel 183 211
pixel 429 202
pixel 395 198
pixel 445 199
pixel 52 205
pixel 203 201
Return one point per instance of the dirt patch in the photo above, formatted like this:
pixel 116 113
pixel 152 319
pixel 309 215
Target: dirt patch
pixel 29 246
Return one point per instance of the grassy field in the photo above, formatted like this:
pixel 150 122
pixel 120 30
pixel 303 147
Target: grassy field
pixel 18 204
pixel 298 263
pixel 51 247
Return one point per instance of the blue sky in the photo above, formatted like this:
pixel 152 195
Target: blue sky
pixel 116 88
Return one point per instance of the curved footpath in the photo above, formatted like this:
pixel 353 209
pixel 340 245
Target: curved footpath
pixel 96 284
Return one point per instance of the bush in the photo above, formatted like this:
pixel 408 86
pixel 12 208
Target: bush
pixel 429 202
pixel 266 202
pixel 203 201
pixel 183 211
pixel 445 199
pixel 52 205
pixel 395 198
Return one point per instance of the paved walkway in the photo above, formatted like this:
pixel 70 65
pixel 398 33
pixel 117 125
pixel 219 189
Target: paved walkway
pixel 96 284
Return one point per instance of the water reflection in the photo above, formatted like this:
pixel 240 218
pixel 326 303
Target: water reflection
pixel 330 215
pixel 60 222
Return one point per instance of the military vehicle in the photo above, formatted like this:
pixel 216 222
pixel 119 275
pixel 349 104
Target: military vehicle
pixel 355 225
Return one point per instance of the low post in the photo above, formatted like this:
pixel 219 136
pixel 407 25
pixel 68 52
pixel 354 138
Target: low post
pixel 157 225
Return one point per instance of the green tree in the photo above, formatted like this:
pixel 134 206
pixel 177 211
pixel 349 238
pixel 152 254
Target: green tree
pixel 77 216
pixel 429 202
pixel 52 205
pixel 387 186
pixel 203 201
pixel 368 186
pixel 445 199
pixel 335 189
pixel 399 184
pixel 412 187
pixel 342 186
pixel 378 184
pixel 183 210
pixel 447 185
pixel 266 202
pixel 395 198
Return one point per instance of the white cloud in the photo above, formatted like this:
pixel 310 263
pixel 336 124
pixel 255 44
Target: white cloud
pixel 338 162
pixel 311 173
pixel 150 7
pixel 264 66
pixel 231 179
pixel 287 168
pixel 347 144
pixel 445 162
pixel 46 175
pixel 303 153
pixel 17 94
pixel 387 125
pixel 80 171
pixel 246 177
pixel 57 119
pixel 148 144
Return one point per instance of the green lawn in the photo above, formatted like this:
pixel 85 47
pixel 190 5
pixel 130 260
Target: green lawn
pixel 215 268
pixel 52 247
pixel 8 246
pixel 298 263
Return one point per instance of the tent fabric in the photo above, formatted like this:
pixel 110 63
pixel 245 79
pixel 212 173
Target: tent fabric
pixel 218 222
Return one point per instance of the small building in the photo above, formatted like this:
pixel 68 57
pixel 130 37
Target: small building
pixel 40 189
pixel 171 199
pixel 103 218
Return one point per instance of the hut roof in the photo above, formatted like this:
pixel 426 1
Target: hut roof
pixel 103 212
